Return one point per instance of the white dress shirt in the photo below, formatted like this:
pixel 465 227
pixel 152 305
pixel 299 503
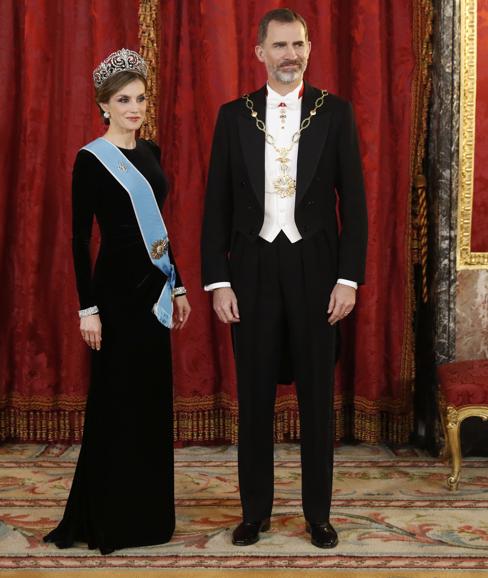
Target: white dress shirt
pixel 279 212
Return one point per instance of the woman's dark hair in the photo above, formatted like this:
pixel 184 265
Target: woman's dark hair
pixel 113 84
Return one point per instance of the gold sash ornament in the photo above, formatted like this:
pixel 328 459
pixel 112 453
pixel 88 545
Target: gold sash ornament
pixel 159 248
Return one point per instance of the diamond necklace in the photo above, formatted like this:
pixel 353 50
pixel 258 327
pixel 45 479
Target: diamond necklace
pixel 285 185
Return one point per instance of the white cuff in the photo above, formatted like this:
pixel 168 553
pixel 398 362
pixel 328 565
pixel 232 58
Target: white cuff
pixel 218 285
pixel 352 284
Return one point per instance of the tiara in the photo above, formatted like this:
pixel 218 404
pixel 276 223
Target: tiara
pixel 119 61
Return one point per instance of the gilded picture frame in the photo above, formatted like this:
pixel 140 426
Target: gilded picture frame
pixel 466 258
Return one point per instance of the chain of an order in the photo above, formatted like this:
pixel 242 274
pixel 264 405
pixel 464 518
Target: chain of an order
pixel 303 125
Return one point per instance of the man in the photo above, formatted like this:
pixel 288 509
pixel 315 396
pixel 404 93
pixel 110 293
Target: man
pixel 281 272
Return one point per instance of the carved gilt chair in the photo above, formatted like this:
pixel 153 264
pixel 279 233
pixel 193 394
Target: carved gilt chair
pixel 463 393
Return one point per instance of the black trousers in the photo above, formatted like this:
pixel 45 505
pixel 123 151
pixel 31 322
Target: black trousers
pixel 283 290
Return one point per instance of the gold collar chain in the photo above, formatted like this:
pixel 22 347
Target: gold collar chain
pixel 284 185
pixel 304 124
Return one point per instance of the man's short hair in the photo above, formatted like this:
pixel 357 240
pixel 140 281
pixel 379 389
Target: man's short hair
pixel 280 15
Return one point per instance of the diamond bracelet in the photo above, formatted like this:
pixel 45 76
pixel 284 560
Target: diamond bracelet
pixel 90 311
pixel 177 291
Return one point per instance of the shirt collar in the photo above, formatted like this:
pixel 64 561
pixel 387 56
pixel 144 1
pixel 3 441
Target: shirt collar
pixel 292 99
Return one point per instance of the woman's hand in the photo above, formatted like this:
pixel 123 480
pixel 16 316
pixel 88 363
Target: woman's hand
pixel 181 311
pixel 91 331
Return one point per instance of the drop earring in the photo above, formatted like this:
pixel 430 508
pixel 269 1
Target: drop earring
pixel 106 114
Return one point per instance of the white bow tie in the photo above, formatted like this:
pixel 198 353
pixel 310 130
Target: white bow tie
pixel 274 101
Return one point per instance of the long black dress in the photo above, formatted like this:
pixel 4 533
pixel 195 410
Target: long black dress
pixel 122 492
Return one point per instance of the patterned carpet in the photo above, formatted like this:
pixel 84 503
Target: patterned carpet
pixel 391 508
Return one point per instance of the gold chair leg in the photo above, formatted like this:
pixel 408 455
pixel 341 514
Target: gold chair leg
pixel 453 419
pixel 453 434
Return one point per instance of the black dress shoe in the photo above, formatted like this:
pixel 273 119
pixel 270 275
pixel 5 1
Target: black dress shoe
pixel 247 533
pixel 62 544
pixel 322 535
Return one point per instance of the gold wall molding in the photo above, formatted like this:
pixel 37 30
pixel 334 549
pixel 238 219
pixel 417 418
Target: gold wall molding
pixel 467 259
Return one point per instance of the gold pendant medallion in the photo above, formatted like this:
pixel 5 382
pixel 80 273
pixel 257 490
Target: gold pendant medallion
pixel 285 186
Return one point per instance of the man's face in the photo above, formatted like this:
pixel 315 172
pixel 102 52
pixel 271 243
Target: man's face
pixel 284 51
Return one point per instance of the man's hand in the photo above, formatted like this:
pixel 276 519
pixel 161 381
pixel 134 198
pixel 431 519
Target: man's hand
pixel 225 305
pixel 342 301
pixel 181 311
pixel 91 331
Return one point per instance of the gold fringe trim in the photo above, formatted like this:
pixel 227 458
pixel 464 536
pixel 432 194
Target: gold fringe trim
pixel 214 418
pixel 422 44
pixel 221 425
pixel 149 49
pixel 198 420
pixel 60 402
pixel 47 426
pixel 422 90
pixel 423 82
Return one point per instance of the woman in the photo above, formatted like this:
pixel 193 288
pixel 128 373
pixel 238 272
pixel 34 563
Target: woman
pixel 122 492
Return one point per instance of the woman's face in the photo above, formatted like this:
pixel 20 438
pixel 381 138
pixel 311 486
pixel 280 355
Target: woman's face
pixel 127 107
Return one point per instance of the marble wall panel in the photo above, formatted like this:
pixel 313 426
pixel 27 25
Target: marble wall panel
pixel 443 173
pixel 472 315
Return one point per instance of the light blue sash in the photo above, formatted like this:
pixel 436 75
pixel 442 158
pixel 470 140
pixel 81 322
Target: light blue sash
pixel 151 224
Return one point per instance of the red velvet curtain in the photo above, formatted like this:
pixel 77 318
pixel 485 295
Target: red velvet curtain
pixel 49 49
pixel 362 50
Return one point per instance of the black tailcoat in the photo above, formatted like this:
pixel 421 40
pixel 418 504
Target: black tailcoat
pixel 328 163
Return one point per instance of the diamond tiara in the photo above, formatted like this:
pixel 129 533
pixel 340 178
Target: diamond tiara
pixel 119 61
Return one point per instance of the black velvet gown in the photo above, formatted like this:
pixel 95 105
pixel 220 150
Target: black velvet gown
pixel 122 492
